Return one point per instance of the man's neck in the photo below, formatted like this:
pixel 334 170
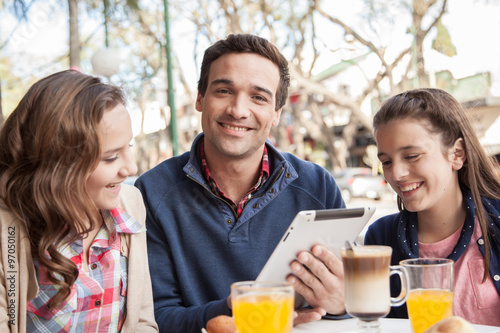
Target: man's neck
pixel 235 177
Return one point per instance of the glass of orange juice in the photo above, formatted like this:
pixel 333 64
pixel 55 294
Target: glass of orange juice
pixel 262 307
pixel 430 298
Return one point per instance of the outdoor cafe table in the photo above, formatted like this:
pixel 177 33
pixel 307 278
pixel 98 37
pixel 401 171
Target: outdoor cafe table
pixel 387 325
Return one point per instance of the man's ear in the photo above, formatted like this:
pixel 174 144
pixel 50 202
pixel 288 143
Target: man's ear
pixel 277 116
pixel 199 102
pixel 459 154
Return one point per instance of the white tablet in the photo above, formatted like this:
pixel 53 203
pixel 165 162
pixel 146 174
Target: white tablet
pixel 329 227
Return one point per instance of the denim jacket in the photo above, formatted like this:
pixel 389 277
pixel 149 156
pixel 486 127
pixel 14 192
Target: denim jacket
pixel 197 247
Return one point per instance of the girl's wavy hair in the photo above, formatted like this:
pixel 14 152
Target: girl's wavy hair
pixel 49 146
pixel 246 43
pixel 447 117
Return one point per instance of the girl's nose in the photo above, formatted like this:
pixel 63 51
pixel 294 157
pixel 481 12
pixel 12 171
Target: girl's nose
pixel 129 168
pixel 398 171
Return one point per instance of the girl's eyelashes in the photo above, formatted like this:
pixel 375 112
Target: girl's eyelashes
pixel 110 159
pixel 412 157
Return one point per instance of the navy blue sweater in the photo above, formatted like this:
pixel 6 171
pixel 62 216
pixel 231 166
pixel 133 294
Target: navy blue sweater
pixel 196 245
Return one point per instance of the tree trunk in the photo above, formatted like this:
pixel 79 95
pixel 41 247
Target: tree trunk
pixel 74 35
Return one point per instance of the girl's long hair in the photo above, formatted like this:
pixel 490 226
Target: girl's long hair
pixel 447 116
pixel 49 146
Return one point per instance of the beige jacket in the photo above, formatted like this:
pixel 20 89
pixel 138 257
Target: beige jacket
pixel 18 282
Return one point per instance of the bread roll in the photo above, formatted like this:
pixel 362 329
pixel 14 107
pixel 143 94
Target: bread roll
pixel 221 324
pixel 454 324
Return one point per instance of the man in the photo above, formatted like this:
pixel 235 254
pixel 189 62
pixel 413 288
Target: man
pixel 215 214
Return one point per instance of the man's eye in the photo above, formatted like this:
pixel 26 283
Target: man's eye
pixel 260 98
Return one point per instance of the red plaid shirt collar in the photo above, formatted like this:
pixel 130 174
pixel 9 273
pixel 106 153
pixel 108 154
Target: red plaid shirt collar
pixel 238 208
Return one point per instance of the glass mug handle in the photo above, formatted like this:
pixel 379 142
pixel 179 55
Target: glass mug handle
pixel 405 282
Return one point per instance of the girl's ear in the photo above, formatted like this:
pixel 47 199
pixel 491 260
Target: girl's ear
pixel 459 154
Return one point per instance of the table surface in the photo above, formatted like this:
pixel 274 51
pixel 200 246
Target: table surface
pixel 388 325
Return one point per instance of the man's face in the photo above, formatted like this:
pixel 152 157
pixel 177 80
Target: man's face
pixel 238 109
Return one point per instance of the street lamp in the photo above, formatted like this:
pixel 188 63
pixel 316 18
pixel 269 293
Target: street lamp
pixel 106 62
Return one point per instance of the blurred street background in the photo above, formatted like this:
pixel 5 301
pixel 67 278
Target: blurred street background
pixel 346 58
pixel 385 206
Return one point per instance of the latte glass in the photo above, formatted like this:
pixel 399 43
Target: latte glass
pixel 367 289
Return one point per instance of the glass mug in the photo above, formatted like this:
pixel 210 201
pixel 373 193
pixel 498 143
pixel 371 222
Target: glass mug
pixel 262 307
pixel 430 296
pixel 367 274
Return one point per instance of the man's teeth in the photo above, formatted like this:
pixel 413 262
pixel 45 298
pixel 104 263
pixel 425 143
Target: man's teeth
pixel 410 187
pixel 235 128
pixel 112 186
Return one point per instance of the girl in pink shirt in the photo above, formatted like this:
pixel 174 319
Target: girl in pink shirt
pixel 448 196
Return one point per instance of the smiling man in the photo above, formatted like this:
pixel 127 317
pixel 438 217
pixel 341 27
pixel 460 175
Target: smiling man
pixel 216 213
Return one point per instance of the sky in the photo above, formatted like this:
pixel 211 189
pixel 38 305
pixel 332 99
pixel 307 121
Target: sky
pixel 473 26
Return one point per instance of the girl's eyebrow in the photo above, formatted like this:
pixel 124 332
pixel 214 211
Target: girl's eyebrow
pixel 111 151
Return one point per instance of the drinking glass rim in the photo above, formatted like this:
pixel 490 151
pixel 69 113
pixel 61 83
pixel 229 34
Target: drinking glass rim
pixel 426 262
pixel 262 285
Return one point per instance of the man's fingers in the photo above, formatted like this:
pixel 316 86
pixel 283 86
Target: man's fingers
pixel 307 315
pixel 332 262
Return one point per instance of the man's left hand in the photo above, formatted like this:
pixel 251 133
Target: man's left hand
pixel 322 282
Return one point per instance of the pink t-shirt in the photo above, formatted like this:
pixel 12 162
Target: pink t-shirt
pixel 475 301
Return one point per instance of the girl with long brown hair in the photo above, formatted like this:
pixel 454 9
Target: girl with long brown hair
pixel 448 195
pixel 73 241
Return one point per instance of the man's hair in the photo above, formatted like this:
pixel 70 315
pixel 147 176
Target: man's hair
pixel 246 43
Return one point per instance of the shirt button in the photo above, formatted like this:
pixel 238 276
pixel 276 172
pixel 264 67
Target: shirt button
pixel 93 266
pixel 255 205
pixel 229 221
pixel 288 175
pixel 496 277
pixel 481 241
pixel 97 303
pixel 271 190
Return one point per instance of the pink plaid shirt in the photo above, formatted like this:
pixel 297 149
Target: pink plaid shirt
pixel 98 297
pixel 238 208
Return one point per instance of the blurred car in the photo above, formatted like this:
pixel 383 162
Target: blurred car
pixel 360 183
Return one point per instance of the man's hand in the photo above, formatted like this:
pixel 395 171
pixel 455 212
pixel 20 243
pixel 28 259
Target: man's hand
pixel 302 316
pixel 321 283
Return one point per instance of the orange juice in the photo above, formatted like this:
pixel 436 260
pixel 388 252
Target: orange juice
pixel 264 313
pixel 428 306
